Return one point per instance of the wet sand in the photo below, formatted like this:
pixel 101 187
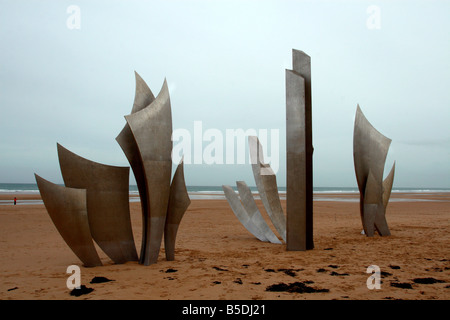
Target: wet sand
pixel 217 258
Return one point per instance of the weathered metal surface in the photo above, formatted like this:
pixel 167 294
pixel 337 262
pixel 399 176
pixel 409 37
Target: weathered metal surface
pixel 269 181
pixel 143 97
pixel 380 218
pixel 301 64
pixel 152 131
pixel 372 197
pixel 370 149
pixel 147 144
pixel 295 162
pixel 107 194
pixel 68 210
pixel 241 213
pixel 256 218
pixel 299 152
pixel 270 198
pixel 179 201
pixel 387 186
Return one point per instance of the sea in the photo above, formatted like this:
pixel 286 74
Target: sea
pixel 214 192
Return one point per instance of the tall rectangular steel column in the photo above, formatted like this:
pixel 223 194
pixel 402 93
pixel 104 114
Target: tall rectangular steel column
pixel 299 150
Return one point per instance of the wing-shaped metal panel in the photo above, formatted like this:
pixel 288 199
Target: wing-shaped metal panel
pixel 252 209
pixel 152 131
pixel 143 97
pixel 68 210
pixel 179 201
pixel 270 198
pixel 370 149
pixel 241 213
pixel 107 193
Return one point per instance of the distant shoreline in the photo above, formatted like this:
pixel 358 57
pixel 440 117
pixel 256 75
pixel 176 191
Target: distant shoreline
pixel 31 188
pixel 33 198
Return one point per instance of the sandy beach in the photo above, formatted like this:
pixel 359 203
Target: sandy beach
pixel 217 258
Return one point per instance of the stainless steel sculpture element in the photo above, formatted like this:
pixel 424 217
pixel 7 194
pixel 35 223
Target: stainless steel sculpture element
pixel 370 149
pixel 68 210
pixel 178 203
pixel 96 196
pixel 107 198
pixel 152 130
pixel 242 214
pixel 299 151
pixel 143 97
pixel 269 181
pixel 387 186
pixel 296 228
pixel 252 210
pixel 267 188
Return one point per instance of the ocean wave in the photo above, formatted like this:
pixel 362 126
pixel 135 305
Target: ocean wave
pixel 419 190
pixel 18 191
pixel 335 191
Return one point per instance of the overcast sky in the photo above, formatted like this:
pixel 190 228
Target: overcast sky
pixel 225 64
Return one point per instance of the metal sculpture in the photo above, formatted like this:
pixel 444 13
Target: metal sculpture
pixel 370 149
pixel 178 203
pixel 269 181
pixel 67 207
pixel 242 214
pixel 107 196
pixel 255 215
pixel 299 151
pixel 296 228
pixel 267 188
pixel 247 212
pixel 95 200
pixel 152 131
pixel 143 98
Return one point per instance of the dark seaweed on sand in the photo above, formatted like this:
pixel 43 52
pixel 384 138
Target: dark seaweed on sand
pixel 289 272
pixel 80 291
pixel 402 285
pixel 100 280
pixel 219 269
pixel 334 273
pixel 427 280
pixel 297 287
pixel 170 270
